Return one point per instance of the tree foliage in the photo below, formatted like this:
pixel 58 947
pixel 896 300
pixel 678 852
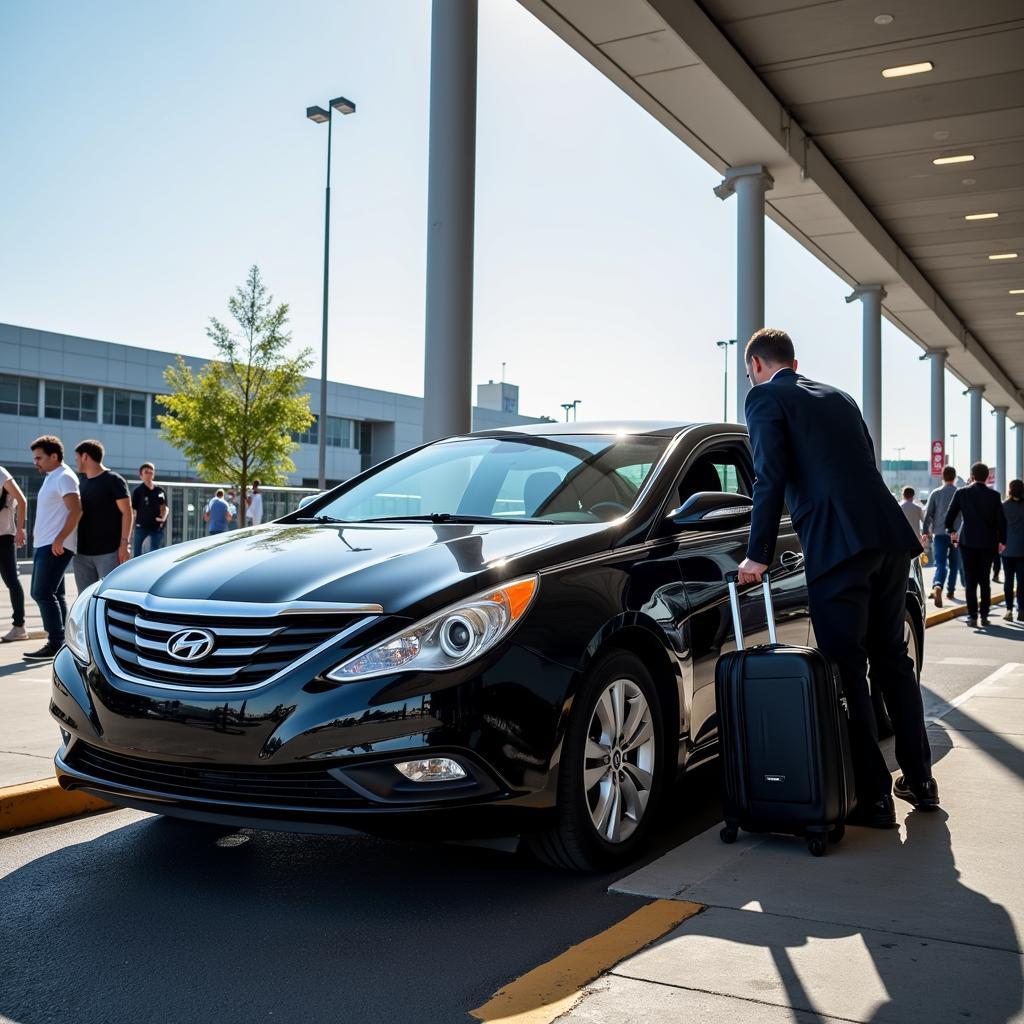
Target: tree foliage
pixel 234 418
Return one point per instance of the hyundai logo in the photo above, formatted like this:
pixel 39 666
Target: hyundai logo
pixel 190 644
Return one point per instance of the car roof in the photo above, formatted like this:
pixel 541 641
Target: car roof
pixel 664 428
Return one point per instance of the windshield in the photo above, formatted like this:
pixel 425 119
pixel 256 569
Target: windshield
pixel 586 478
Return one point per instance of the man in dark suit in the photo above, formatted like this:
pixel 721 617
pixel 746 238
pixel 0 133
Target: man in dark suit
pixel 812 450
pixel 981 536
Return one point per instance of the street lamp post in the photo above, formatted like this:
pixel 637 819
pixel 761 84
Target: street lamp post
pixel 571 405
pixel 899 461
pixel 319 115
pixel 724 346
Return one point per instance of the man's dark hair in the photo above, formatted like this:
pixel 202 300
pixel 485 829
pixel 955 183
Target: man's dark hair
pixel 770 345
pixel 255 483
pixel 91 448
pixel 147 465
pixel 949 474
pixel 49 445
pixel 908 493
pixel 1016 489
pixel 979 472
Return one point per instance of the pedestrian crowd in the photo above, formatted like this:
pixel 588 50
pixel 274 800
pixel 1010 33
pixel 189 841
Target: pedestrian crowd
pixel 973 533
pixel 89 521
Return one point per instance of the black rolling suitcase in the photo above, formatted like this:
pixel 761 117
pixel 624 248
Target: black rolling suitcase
pixel 782 729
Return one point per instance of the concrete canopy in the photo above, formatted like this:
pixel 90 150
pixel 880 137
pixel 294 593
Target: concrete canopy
pixel 796 85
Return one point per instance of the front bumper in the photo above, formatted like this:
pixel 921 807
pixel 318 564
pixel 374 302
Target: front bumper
pixel 305 755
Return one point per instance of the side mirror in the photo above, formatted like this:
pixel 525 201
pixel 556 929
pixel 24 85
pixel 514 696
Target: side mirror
pixel 712 510
pixel 307 498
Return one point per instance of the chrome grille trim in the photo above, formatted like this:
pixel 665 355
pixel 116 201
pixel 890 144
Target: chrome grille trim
pixel 119 670
pixel 233 652
pixel 236 609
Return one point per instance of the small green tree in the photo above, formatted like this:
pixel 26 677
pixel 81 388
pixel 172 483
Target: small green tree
pixel 234 419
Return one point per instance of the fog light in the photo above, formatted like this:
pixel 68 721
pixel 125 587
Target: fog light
pixel 432 769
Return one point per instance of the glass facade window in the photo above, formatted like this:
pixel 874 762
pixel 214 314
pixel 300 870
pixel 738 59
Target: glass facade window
pixel 71 402
pixel 157 409
pixel 19 396
pixel 311 434
pixel 124 408
pixel 341 433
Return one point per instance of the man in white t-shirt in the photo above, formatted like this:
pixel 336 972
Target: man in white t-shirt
pixel 12 536
pixel 55 537
pixel 254 506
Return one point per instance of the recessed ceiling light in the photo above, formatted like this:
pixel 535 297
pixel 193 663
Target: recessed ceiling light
pixel 981 216
pixel 884 19
pixel 1003 256
pixel 908 69
pixel 1017 291
pixel 960 158
pixel 1020 312
pixel 941 135
pixel 968 181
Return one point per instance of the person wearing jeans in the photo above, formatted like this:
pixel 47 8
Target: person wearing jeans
pixel 54 533
pixel 12 536
pixel 934 526
pixel 149 500
pixel 1013 553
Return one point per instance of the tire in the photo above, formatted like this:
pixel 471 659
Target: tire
pixel 603 818
pixel 728 835
pixel 818 846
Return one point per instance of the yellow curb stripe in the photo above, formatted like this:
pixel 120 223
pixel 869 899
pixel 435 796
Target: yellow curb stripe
pixel 552 989
pixel 36 803
pixel 953 612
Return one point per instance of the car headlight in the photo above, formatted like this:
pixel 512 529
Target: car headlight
pixel 76 634
pixel 448 639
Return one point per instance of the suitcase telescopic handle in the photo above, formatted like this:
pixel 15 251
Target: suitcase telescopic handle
pixel 732 578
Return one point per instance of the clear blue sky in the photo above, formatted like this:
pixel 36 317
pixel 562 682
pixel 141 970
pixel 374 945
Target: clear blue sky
pixel 152 152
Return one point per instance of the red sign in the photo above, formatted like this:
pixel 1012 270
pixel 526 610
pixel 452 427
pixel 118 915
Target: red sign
pixel 938 457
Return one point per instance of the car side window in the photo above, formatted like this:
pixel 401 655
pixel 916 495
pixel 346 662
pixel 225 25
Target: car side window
pixel 725 468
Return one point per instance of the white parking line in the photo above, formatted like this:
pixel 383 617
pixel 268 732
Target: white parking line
pixel 941 710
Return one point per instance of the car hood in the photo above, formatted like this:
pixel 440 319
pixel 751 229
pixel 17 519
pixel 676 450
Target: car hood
pixel 395 565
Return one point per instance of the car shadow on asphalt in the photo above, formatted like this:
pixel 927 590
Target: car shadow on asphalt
pixel 164 920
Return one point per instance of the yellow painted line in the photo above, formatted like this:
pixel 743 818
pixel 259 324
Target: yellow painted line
pixel 552 989
pixel 955 611
pixel 35 803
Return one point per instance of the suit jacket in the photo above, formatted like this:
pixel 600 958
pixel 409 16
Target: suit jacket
pixel 812 450
pixel 984 523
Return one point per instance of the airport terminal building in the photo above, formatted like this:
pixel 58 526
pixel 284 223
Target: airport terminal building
pixel 78 388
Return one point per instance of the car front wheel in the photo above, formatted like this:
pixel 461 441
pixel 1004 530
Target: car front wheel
pixel 612 769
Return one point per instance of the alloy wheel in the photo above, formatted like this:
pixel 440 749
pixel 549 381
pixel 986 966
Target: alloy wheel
pixel 619 760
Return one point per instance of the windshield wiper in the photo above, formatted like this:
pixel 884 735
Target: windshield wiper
pixel 319 519
pixel 450 517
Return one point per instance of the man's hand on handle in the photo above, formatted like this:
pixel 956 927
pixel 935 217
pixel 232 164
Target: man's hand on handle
pixel 751 571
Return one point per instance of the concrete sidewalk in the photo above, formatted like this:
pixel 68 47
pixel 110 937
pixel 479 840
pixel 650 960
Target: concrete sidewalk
pixel 916 925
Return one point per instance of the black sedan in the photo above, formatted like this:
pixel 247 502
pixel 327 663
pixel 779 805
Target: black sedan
pixel 507 633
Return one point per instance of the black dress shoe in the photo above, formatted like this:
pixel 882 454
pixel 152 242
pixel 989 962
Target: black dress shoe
pixel 924 795
pixel 880 814
pixel 973 623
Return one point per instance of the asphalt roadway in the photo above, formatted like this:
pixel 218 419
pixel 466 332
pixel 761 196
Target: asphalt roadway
pixel 128 917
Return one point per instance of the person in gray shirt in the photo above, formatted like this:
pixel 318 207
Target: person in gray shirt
pixel 1013 552
pixel 934 526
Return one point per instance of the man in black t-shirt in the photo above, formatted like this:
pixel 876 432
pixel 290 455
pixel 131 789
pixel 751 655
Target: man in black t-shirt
pixel 106 524
pixel 149 501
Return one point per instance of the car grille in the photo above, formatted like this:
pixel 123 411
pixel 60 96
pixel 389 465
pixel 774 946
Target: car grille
pixel 303 786
pixel 246 651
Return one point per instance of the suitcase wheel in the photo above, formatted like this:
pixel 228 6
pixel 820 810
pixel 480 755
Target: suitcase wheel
pixel 836 835
pixel 817 845
pixel 729 834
